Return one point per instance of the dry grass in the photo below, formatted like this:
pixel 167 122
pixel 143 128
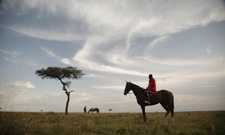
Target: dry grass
pixel 184 123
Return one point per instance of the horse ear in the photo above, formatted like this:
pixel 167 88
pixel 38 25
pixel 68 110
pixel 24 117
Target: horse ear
pixel 126 82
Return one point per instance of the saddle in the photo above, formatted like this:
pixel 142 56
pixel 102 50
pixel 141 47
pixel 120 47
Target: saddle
pixel 148 95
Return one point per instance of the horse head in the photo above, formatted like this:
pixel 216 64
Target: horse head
pixel 127 88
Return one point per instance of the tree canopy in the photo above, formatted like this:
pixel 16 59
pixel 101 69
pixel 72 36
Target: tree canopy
pixel 60 73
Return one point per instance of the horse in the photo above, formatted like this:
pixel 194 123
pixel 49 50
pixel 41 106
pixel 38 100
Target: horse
pixel 164 97
pixel 94 110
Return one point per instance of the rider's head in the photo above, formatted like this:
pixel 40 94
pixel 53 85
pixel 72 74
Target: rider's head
pixel 150 76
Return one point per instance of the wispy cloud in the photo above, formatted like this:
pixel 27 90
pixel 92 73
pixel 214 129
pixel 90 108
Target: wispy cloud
pixel 209 49
pixel 95 76
pixel 13 54
pixel 21 85
pixel 156 41
pixel 47 34
pixel 49 52
pixel 15 57
pixel 10 56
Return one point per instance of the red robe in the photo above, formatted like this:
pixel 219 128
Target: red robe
pixel 152 86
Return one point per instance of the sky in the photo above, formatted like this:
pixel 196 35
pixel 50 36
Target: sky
pixel 180 42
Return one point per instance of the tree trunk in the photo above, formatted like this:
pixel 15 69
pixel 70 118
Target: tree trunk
pixel 67 102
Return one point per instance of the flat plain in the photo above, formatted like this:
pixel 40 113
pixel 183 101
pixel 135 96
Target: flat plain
pixel 50 123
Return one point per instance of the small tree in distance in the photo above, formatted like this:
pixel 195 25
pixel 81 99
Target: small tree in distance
pixel 110 110
pixel 60 74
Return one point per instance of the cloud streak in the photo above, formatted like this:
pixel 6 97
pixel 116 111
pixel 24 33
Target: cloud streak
pixel 47 34
pixel 21 85
pixel 49 52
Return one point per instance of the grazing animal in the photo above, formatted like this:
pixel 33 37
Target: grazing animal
pixel 94 110
pixel 164 97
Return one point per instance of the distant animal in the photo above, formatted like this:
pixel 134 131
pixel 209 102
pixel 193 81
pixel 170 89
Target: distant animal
pixel 164 97
pixel 94 110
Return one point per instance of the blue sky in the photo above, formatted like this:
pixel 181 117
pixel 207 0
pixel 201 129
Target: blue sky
pixel 180 42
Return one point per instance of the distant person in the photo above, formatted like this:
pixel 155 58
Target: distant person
pixel 151 89
pixel 85 109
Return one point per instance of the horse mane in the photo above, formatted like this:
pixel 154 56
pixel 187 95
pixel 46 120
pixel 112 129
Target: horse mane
pixel 140 88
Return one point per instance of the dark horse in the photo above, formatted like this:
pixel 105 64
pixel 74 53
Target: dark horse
pixel 164 97
pixel 93 110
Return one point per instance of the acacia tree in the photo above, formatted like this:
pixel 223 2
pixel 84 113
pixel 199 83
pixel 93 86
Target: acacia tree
pixel 61 74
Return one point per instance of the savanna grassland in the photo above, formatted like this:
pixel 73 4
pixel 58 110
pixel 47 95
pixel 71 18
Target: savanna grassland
pixel 183 123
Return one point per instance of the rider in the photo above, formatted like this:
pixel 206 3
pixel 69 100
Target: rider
pixel 151 89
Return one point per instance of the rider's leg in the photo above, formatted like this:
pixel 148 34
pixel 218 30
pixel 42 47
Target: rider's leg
pixel 148 96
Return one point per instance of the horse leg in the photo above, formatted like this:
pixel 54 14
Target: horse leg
pixel 166 108
pixel 171 112
pixel 143 111
pixel 172 107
